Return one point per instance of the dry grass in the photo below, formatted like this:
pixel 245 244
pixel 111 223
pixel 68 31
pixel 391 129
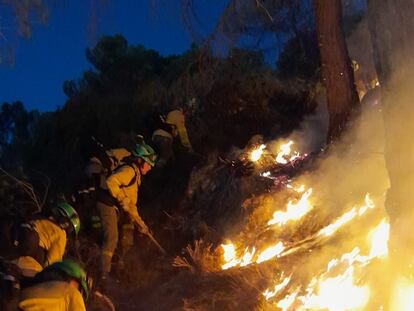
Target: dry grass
pixel 198 258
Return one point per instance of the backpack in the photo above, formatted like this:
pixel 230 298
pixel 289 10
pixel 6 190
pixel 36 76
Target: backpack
pixel 104 196
pixel 156 120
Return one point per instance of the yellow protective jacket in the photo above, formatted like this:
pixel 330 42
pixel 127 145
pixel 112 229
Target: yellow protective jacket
pixel 175 118
pixel 51 296
pixel 124 183
pixel 28 265
pixel 52 238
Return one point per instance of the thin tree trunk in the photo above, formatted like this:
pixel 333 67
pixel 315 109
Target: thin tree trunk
pixel 336 66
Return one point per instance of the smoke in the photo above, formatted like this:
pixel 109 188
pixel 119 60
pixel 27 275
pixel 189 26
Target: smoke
pixel 312 132
pixel 340 179
pixel 399 154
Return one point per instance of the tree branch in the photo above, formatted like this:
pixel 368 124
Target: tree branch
pixel 29 190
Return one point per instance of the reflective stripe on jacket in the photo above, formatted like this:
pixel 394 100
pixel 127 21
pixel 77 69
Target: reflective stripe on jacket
pixel 52 238
pixel 51 296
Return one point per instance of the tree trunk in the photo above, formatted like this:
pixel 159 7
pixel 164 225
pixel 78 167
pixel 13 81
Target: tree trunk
pixel 392 30
pixel 336 66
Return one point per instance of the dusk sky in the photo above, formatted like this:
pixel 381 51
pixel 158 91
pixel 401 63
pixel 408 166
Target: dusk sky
pixel 56 50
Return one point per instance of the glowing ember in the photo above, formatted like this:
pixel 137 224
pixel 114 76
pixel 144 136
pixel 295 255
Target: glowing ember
pixel 271 252
pixel 266 174
pixel 294 211
pixel 257 153
pixel 278 287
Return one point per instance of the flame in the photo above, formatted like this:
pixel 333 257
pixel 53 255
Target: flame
pixel 332 228
pixel 347 217
pixel 247 257
pixel 299 189
pixel 271 252
pixel 229 256
pixel 293 211
pixel 278 287
pixel 287 302
pixel 335 290
pixel 338 293
pixel 379 240
pixel 232 260
pixel 339 286
pixel 266 174
pixel 403 295
pixel 369 204
pixel 284 152
pixel 257 153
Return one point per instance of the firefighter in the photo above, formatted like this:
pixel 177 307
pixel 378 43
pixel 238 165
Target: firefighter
pixel 99 167
pixel 173 126
pixel 61 286
pixel 122 187
pixel 43 240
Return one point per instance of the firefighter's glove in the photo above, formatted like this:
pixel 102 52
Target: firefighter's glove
pixel 126 204
pixel 142 227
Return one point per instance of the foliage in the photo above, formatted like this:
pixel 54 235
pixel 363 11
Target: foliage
pixel 16 130
pixel 238 96
pixel 300 58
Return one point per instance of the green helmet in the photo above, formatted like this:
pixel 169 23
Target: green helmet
pixel 67 211
pixel 146 153
pixel 73 270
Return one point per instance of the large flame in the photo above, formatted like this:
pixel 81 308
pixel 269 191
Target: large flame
pixel 338 294
pixel 337 289
pixel 379 240
pixel 340 285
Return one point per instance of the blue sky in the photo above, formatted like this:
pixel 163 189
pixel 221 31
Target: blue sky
pixel 56 50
